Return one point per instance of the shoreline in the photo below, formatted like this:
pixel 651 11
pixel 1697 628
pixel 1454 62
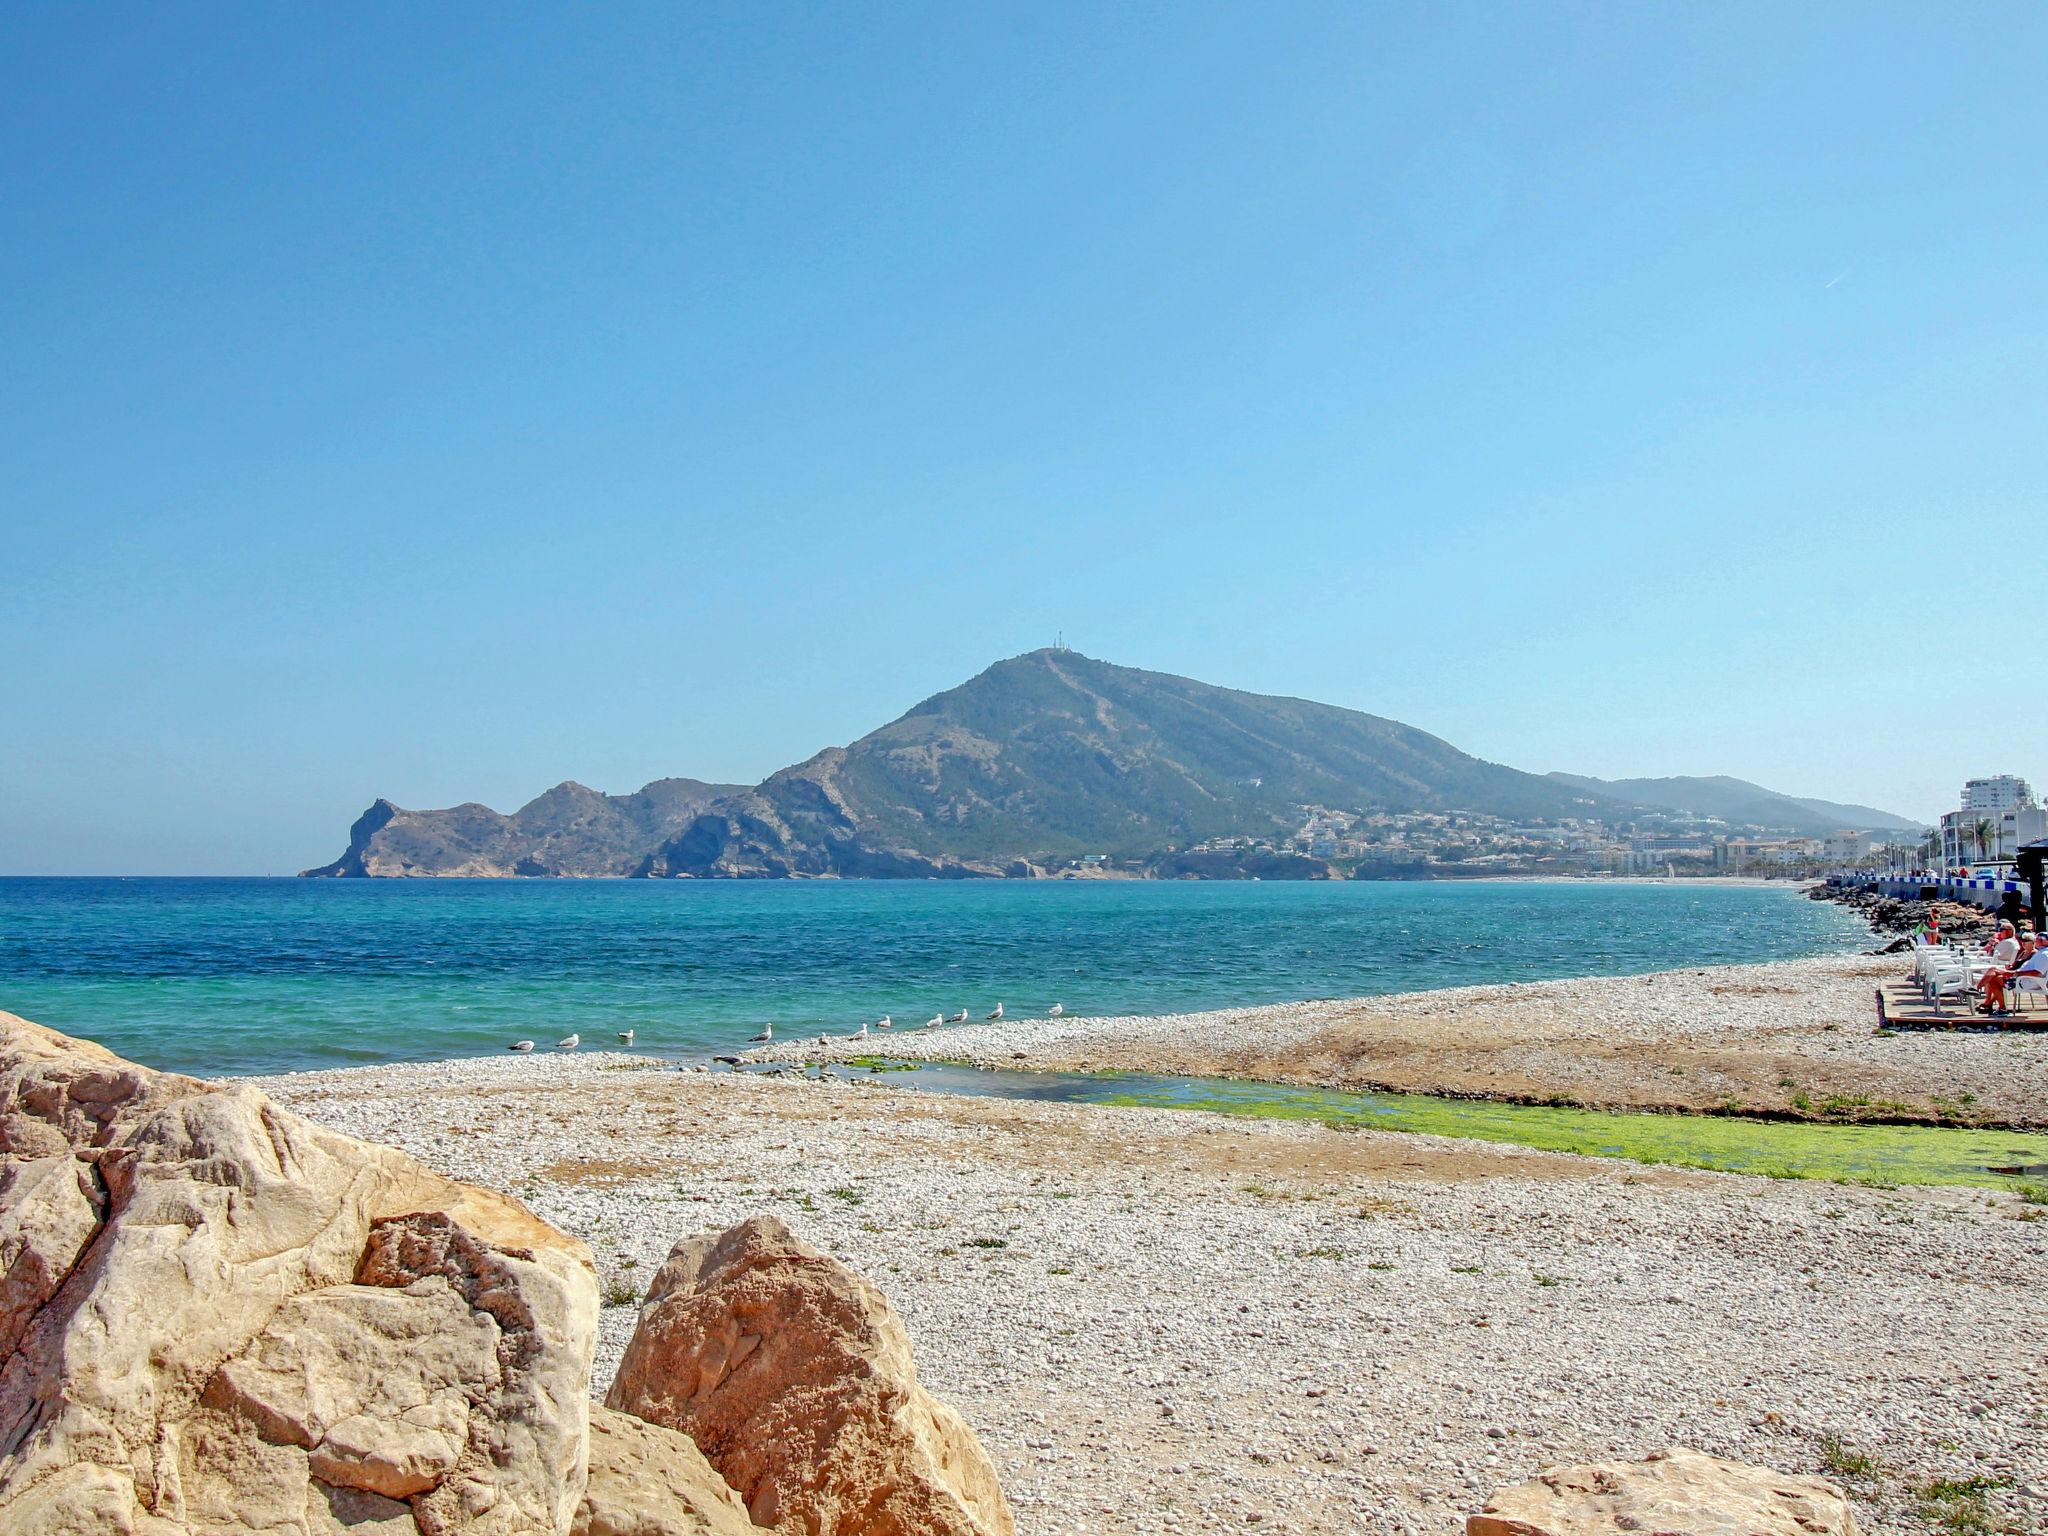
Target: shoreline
pixel 1790 1040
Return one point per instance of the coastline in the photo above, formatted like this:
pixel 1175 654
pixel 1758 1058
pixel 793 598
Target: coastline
pixel 1784 1039
pixel 1160 1322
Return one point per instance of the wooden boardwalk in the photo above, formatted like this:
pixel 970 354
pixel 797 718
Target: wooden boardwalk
pixel 1901 1005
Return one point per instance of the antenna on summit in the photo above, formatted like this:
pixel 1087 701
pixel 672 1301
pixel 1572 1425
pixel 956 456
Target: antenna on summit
pixel 1059 639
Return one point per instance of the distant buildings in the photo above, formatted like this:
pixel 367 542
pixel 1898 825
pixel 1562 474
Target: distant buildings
pixel 1996 818
pixel 1996 795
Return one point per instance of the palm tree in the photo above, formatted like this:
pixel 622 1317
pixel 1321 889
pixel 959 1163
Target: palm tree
pixel 1982 832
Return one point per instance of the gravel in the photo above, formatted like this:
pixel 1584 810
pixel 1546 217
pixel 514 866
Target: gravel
pixel 1162 1321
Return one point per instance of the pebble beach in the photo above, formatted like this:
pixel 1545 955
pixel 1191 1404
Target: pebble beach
pixel 1755 1037
pixel 1164 1321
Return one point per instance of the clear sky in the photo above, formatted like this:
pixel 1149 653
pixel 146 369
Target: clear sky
pixel 442 401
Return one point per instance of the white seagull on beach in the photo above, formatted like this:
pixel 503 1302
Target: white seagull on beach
pixel 568 1042
pixel 997 1014
pixel 934 1021
pixel 958 1018
pixel 885 1022
pixel 627 1035
pixel 862 1032
pixel 1055 1010
pixel 767 1033
pixel 520 1045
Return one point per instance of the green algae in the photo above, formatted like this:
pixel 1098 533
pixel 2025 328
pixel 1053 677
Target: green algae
pixel 1879 1155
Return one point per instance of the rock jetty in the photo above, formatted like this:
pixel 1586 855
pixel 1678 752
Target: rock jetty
pixel 222 1317
pixel 1899 915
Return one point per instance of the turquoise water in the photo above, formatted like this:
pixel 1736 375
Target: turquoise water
pixel 219 976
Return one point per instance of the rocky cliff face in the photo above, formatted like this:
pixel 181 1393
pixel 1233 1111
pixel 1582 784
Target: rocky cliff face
pixel 221 1318
pixel 570 830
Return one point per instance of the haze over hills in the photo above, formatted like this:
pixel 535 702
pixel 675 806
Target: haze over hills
pixel 1040 760
pixel 1741 803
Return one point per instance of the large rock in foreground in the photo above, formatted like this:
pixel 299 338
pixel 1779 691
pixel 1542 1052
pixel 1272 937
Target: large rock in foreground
pixel 647 1480
pixel 221 1317
pixel 1679 1492
pixel 794 1377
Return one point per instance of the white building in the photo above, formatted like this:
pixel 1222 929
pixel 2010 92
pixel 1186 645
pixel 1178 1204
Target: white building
pixel 1996 795
pixel 2004 834
pixel 1847 847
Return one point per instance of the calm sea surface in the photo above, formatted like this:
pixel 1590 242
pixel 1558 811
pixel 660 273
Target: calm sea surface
pixel 219 976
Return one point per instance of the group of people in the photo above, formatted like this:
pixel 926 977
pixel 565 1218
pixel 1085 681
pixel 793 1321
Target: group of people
pixel 2012 954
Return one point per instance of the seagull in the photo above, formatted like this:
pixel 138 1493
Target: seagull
pixel 767 1033
pixel 862 1032
pixel 627 1035
pixel 885 1022
pixel 1055 1010
pixel 997 1014
pixel 521 1045
pixel 958 1018
pixel 568 1042
pixel 934 1021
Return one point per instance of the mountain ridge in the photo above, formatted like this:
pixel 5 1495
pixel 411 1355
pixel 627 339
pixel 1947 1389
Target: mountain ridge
pixel 1037 762
pixel 1741 803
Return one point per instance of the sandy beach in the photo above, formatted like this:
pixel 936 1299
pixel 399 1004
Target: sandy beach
pixel 1162 1321
pixel 1754 1037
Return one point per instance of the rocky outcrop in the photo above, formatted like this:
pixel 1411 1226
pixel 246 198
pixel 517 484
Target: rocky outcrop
pixel 794 1377
pixel 223 1317
pixel 570 830
pixel 1679 1490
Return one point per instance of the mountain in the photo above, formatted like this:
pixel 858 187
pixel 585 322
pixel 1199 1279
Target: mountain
pixel 570 830
pixel 1741 803
pixel 1053 755
pixel 1040 760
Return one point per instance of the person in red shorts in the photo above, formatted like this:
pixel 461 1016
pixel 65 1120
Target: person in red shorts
pixel 2014 956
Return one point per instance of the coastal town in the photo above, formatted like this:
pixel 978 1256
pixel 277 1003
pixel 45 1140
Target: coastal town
pixel 1996 816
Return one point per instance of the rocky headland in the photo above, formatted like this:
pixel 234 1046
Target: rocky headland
pixel 1054 761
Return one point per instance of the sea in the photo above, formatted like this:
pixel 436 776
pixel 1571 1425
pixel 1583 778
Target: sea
pixel 227 976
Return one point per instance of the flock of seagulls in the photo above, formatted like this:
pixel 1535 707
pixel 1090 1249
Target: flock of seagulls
pixel 767 1035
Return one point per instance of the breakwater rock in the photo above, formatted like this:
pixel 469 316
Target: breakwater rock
pixel 222 1317
pixel 1901 915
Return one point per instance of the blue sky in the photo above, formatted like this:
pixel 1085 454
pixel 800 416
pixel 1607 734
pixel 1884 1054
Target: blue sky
pixel 440 402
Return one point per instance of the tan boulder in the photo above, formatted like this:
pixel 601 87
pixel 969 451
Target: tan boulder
pixel 225 1318
pixel 1679 1492
pixel 647 1480
pixel 794 1377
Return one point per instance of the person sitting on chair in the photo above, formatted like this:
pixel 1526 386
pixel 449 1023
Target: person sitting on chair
pixel 2025 960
